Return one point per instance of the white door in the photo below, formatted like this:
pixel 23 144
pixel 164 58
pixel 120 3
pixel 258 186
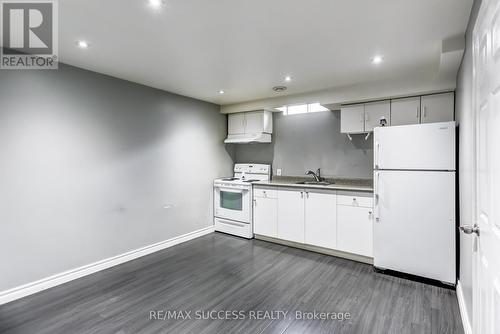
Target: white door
pixel 486 106
pixel 236 123
pixel 265 216
pixel 352 119
pixel 416 147
pixel 405 111
pixel 291 215
pixel 375 112
pixel 355 229
pixel 254 122
pixel 320 218
pixel 414 228
pixel 438 108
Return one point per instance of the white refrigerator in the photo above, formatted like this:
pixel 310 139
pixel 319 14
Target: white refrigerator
pixel 414 204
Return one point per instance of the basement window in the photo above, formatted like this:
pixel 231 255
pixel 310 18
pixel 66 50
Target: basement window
pixel 302 108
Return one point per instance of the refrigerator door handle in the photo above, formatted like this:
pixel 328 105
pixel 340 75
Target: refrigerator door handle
pixel 377 148
pixel 376 211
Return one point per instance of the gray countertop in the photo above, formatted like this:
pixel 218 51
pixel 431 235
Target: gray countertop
pixel 338 183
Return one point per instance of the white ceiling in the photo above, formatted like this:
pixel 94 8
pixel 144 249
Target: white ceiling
pixel 245 47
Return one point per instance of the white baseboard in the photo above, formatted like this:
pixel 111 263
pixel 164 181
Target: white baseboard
pixel 463 309
pixel 61 278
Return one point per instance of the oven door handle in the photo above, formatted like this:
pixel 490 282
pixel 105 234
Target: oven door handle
pixel 232 190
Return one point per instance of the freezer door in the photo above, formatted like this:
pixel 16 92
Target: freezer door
pixel 414 227
pixel 415 147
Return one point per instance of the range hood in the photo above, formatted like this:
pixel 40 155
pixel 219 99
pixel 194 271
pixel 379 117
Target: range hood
pixel 248 138
pixel 249 127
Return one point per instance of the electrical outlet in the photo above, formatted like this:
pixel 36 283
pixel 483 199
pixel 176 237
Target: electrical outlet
pixel 278 172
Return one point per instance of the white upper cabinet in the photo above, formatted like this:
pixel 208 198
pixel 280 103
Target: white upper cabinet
pixel 405 111
pixel 352 119
pixel 291 215
pixel 320 219
pixel 236 124
pixel 258 122
pixel 248 127
pixel 438 108
pixel 375 112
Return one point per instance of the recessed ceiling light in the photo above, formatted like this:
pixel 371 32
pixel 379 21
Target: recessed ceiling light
pixel 221 92
pixel 82 44
pixel 377 59
pixel 288 78
pixel 155 3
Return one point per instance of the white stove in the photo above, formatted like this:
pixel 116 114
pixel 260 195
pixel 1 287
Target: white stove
pixel 233 199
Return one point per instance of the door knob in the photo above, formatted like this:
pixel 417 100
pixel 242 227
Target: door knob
pixel 468 229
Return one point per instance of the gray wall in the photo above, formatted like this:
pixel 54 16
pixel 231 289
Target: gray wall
pixel 93 167
pixel 310 141
pixel 465 120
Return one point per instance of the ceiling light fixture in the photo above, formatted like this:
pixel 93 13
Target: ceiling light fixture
pixel 377 59
pixel 279 89
pixel 155 3
pixel 82 44
pixel 288 78
pixel 221 92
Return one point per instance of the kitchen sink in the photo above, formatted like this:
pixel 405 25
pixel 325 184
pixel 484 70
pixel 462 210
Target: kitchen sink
pixel 320 183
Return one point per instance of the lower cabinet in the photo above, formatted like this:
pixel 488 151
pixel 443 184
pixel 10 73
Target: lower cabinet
pixel 325 218
pixel 265 213
pixel 355 225
pixel 320 219
pixel 291 215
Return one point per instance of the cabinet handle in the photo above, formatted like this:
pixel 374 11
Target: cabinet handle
pixel 425 112
pixel 254 202
pixel 301 194
pixel 418 109
pixel 307 194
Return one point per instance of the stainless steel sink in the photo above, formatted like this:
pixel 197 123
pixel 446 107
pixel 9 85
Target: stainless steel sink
pixel 320 183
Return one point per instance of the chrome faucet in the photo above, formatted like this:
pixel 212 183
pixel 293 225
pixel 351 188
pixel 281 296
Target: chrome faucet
pixel 317 175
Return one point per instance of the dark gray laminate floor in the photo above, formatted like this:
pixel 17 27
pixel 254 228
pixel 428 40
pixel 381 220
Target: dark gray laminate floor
pixel 221 272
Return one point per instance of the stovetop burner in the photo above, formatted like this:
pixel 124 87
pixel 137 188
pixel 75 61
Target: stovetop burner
pixel 251 180
pixel 230 179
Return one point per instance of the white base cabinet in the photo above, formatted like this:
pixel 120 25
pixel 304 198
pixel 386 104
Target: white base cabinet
pixel 320 219
pixel 355 230
pixel 291 215
pixel 265 213
pixel 355 223
pixel 340 221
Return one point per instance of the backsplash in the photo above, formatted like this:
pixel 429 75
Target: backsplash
pixel 310 141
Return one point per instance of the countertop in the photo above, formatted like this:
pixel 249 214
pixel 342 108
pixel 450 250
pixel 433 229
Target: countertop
pixel 338 183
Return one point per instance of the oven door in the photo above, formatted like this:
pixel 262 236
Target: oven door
pixel 232 203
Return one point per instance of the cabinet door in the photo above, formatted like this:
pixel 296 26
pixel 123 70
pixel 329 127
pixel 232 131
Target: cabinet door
pixel 352 119
pixel 236 124
pixel 355 230
pixel 438 108
pixel 265 217
pixel 291 215
pixel 254 122
pixel 376 111
pixel 320 219
pixel 405 111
